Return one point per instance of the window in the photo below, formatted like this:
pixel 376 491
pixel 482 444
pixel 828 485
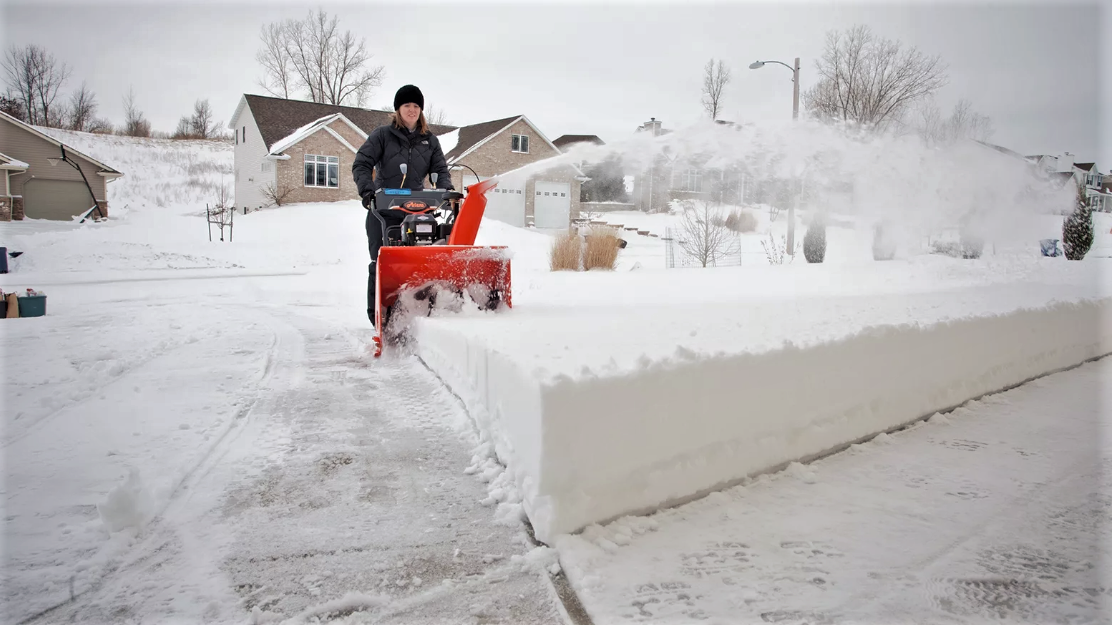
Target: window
pixel 519 143
pixel 687 180
pixel 322 171
pixel 245 134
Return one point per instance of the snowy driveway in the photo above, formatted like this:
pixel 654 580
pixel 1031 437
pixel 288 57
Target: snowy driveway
pixel 276 468
pixel 996 512
pixel 283 476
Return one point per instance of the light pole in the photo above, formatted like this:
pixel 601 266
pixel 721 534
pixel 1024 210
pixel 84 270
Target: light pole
pixel 795 116
pixel 795 80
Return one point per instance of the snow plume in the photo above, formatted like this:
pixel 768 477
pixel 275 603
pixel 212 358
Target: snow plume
pixel 893 177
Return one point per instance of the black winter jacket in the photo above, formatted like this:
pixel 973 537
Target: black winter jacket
pixel 386 148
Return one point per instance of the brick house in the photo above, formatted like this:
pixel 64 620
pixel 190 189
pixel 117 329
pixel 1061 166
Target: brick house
pixel 298 151
pixel 548 199
pixel 35 186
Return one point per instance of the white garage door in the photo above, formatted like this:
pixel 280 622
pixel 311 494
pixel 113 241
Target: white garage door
pixel 552 204
pixel 505 202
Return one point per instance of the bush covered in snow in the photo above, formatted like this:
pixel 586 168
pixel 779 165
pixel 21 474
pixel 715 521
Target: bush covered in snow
pixel 1077 229
pixel 814 242
pixel 884 244
pixel 742 221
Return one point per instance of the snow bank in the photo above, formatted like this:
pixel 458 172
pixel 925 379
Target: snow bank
pixel 595 422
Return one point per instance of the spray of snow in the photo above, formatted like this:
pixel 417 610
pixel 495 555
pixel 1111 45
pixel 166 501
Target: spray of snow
pixel 127 505
pixel 896 178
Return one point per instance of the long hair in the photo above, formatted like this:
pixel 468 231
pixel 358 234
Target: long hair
pixel 422 125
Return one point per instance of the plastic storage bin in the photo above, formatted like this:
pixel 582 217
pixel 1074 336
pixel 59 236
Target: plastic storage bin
pixel 32 305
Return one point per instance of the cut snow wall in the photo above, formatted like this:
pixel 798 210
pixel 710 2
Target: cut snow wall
pixel 586 451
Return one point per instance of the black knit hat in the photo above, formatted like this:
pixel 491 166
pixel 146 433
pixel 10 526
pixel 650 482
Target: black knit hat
pixel 408 94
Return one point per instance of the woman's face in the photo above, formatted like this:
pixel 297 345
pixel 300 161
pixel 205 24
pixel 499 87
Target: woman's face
pixel 410 113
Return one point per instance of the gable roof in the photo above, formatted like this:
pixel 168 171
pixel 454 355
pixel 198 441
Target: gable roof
pixel 278 118
pixel 7 162
pixel 492 129
pixel 471 136
pixel 105 170
pixel 1084 166
pixel 311 128
pixel 573 139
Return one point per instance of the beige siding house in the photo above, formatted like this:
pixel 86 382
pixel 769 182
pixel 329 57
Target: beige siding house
pixel 548 199
pixel 296 151
pixel 34 188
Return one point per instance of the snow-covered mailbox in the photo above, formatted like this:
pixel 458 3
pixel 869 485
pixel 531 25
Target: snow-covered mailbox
pixel 618 413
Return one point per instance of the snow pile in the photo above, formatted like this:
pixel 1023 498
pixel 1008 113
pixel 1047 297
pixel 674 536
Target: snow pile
pixel 594 421
pixel 127 505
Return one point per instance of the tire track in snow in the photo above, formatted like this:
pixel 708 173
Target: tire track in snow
pixel 145 549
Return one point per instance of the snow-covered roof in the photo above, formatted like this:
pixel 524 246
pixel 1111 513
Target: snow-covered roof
pixel 299 134
pixel 7 162
pixel 449 140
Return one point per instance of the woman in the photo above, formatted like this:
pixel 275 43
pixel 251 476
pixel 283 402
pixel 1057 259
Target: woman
pixel 407 139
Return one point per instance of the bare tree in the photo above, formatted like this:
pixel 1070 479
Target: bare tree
pixel 313 55
pixel 134 123
pixel 436 116
pixel 963 123
pixel 12 106
pixel 715 79
pixel 870 80
pixel 704 235
pixel 202 121
pixel 276 61
pixel 36 77
pixel 82 108
pixel 276 193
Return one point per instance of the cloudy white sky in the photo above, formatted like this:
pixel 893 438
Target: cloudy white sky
pixel 1040 70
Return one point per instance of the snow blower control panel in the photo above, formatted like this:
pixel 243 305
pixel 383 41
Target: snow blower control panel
pixel 417 209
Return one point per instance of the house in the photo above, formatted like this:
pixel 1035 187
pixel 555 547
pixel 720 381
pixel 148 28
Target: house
pixel 297 151
pixel 548 199
pixel 672 177
pixel 1062 170
pixel 38 185
pixel 566 141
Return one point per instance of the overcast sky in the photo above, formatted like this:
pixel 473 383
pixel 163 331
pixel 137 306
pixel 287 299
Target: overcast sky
pixel 1039 70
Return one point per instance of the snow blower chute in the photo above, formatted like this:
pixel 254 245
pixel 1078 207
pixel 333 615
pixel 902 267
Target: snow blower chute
pixel 425 257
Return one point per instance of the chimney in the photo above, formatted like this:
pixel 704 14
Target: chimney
pixel 652 126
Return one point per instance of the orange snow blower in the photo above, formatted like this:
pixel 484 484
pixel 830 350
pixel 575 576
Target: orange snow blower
pixel 424 257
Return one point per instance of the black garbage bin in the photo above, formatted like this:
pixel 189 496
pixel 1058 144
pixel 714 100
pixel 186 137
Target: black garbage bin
pixel 3 260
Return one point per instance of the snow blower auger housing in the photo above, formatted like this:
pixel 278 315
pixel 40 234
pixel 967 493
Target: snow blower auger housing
pixel 432 251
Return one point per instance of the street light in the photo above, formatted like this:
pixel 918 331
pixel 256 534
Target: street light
pixel 54 160
pixel 795 116
pixel 795 79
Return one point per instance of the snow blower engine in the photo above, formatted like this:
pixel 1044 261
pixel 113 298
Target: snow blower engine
pixel 426 255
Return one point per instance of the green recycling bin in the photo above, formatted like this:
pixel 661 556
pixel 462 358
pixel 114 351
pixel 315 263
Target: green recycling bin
pixel 32 305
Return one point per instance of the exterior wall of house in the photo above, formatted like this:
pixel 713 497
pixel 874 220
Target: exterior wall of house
pixel 497 157
pixel 344 130
pixel 291 173
pixel 25 146
pixel 253 172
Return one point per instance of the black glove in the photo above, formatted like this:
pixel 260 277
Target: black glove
pixel 368 201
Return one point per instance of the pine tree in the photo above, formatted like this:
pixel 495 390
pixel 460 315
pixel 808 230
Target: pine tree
pixel 1077 230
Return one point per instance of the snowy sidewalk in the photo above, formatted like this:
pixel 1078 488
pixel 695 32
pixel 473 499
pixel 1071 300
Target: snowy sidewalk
pixel 992 512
